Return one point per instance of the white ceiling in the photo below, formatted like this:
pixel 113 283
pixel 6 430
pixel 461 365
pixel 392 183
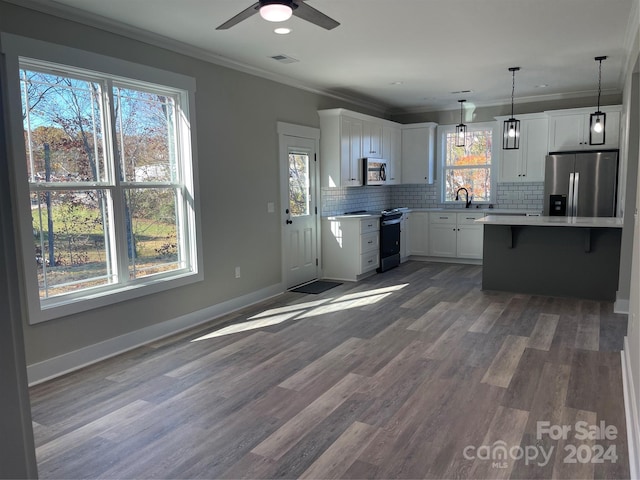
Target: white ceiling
pixel 434 47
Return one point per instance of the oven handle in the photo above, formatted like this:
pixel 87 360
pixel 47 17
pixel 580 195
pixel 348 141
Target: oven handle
pixel 393 221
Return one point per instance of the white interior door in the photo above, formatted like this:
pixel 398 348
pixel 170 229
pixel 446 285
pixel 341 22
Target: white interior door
pixel 298 163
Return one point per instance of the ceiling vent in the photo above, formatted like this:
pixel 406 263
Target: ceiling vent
pixel 282 58
pixel 461 91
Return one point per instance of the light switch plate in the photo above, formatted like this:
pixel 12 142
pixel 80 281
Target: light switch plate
pixel 271 207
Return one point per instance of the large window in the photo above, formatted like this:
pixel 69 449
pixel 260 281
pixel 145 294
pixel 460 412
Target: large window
pixel 110 184
pixel 469 166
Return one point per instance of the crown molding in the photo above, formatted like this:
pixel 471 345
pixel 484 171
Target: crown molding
pixel 507 101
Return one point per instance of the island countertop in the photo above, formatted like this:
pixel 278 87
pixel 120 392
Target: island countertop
pixel 541 221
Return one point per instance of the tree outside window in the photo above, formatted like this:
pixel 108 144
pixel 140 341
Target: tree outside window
pixel 468 166
pixel 109 201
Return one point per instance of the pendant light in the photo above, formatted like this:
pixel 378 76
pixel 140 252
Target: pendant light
pixel 598 119
pixel 461 129
pixel 511 128
pixel 276 10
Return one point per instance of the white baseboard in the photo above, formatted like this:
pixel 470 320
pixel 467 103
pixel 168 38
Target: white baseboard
pixel 621 305
pixel 631 413
pixel 68 362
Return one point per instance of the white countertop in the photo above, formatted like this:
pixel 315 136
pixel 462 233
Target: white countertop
pixel 519 220
pixel 485 211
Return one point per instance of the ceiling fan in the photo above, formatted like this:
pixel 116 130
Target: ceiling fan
pixel 280 10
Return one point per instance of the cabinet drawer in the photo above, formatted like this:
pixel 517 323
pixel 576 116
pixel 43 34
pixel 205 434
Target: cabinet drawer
pixel 369 261
pixel 442 218
pixel 369 242
pixel 369 225
pixel 468 218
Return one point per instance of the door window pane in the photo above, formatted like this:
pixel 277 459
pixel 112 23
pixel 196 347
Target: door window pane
pixel 299 192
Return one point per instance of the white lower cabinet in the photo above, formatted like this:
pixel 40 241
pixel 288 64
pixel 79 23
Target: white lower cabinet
pixel 418 237
pixel 404 237
pixel 455 235
pixel 350 247
pixel 442 234
pixel 469 236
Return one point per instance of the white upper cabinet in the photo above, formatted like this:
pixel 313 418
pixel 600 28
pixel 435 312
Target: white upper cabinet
pixel 347 137
pixel 350 151
pixel 340 149
pixel 392 152
pixel 418 153
pixel 372 139
pixel 569 129
pixel 526 164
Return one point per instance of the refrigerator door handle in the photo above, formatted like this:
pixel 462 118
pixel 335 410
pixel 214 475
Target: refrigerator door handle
pixel 575 194
pixel 570 196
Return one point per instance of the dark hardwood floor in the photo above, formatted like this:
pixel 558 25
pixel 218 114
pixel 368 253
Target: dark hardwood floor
pixel 414 373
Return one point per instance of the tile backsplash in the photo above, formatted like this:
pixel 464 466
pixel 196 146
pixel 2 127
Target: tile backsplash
pixel 374 198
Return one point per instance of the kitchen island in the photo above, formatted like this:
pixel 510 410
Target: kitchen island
pixel 560 256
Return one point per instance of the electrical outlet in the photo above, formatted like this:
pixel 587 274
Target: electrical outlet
pixel 237 272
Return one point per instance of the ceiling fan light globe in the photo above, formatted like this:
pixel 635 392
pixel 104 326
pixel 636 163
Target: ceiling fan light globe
pixel 275 12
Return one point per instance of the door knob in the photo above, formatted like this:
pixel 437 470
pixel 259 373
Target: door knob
pixel 289 222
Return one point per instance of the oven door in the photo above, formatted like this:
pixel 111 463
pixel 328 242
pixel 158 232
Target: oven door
pixel 375 171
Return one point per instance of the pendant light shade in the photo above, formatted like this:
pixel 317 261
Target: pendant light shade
pixel 598 118
pixel 276 10
pixel 511 127
pixel 461 129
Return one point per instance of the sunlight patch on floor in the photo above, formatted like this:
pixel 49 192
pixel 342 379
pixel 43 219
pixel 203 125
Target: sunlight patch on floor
pixel 299 311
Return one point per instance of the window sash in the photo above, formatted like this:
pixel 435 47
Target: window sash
pixel 181 182
pixel 447 168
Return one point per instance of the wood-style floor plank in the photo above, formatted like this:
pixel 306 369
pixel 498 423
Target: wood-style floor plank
pixel 390 377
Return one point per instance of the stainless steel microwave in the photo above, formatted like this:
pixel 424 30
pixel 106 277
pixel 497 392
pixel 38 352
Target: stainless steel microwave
pixel 375 171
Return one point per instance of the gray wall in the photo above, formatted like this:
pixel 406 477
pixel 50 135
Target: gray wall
pixel 17 455
pixel 630 188
pixel 237 147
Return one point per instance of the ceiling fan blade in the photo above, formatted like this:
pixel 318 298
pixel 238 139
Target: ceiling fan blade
pixel 243 15
pixel 314 16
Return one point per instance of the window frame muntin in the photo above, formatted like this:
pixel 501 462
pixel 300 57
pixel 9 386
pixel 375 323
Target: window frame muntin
pixel 443 130
pixel 15 48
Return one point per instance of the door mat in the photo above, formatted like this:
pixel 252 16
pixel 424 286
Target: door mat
pixel 318 286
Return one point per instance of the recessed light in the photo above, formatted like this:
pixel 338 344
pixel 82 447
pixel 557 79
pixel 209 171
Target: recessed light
pixel 282 30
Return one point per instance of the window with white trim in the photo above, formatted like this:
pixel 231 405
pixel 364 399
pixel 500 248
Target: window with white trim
pixel 469 167
pixel 110 180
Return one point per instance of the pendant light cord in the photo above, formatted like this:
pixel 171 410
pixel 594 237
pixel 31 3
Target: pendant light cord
pixel 513 89
pixel 599 83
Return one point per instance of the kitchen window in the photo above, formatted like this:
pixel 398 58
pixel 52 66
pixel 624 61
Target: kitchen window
pixel 470 166
pixel 109 176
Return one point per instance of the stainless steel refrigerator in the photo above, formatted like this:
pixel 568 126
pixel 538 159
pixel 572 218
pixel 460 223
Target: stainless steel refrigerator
pixel 581 184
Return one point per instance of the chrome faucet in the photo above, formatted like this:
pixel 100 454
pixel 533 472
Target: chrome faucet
pixel 468 204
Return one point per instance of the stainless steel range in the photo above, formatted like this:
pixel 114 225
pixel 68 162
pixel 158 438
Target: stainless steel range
pixel 390 239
